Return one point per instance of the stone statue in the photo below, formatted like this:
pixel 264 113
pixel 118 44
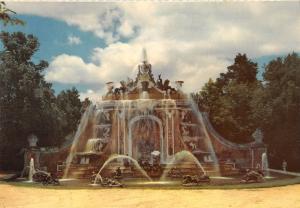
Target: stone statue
pixel 110 87
pixel 183 115
pixel 186 116
pixel 166 84
pixel 159 82
pixel 193 145
pixel 185 131
pixel 130 82
pixel 106 132
pixel 179 85
pixel 123 87
pixel 106 115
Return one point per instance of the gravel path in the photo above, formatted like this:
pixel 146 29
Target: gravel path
pixel 277 197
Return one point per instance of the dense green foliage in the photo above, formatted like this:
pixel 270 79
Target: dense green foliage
pixel 71 108
pixel 228 100
pixel 282 121
pixel 237 104
pixel 27 102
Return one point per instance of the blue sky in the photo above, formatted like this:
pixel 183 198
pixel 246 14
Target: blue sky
pixel 53 37
pixel 89 44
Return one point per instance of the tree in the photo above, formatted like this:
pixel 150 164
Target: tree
pixel 243 71
pixel 6 16
pixel 209 96
pixel 22 89
pixel 27 102
pixel 69 103
pixel 85 104
pixel 228 100
pixel 282 123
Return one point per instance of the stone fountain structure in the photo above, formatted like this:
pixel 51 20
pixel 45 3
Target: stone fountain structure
pixel 149 120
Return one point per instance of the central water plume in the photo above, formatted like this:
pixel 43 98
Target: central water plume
pixel 178 157
pixel 31 170
pixel 114 157
pixel 265 164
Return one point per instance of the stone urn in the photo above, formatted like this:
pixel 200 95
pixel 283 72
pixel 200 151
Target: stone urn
pixel 179 85
pixel 32 140
pixel 110 87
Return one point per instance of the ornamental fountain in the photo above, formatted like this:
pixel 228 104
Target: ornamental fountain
pixel 152 126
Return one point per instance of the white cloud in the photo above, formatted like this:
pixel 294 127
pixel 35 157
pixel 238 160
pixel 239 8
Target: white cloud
pixel 191 42
pixel 98 18
pixel 94 96
pixel 118 61
pixel 126 30
pixel 73 40
pixel 71 69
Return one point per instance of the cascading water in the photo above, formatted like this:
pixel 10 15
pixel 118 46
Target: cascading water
pixel 82 125
pixel 144 95
pixel 199 116
pixel 128 109
pixel 92 145
pixel 115 157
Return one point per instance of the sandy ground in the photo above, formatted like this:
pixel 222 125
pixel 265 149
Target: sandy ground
pixel 279 197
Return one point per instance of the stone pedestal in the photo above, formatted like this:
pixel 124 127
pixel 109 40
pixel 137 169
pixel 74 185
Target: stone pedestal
pixel 33 151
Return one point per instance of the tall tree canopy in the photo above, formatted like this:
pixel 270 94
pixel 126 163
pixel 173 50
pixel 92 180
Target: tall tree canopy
pixel 282 120
pixel 243 71
pixel 69 103
pixel 27 102
pixel 228 100
pixel 237 104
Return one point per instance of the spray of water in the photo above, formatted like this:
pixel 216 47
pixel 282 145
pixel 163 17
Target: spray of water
pixel 91 145
pixel 179 157
pixel 114 157
pixel 31 170
pixel 199 116
pixel 265 164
